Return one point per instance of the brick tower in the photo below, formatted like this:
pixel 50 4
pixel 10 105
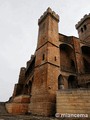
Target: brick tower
pixel 47 64
pixel 83 28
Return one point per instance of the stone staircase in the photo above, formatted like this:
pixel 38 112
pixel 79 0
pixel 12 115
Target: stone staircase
pixel 2 109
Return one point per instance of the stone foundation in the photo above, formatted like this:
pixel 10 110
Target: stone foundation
pixel 19 105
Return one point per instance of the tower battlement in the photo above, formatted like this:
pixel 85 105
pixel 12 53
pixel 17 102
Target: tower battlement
pixel 48 11
pixel 82 20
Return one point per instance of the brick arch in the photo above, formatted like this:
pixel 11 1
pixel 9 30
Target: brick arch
pixel 69 45
pixel 67 58
pixel 84 45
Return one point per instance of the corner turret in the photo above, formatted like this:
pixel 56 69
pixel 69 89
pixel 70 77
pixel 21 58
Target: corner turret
pixel 83 27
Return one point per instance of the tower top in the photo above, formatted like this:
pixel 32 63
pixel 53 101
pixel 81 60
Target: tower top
pixel 48 11
pixel 82 20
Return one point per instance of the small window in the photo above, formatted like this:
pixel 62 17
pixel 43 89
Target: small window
pixel 82 30
pixel 43 57
pixel 32 78
pixel 55 58
pixel 85 27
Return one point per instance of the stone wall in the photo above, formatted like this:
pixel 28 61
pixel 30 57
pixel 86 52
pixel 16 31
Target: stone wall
pixel 73 101
pixel 19 105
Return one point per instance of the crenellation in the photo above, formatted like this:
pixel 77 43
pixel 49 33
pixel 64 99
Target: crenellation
pixel 48 11
pixel 83 27
pixel 23 68
pixel 82 20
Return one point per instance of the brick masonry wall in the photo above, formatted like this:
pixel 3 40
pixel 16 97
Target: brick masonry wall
pixel 17 108
pixel 73 102
pixel 19 105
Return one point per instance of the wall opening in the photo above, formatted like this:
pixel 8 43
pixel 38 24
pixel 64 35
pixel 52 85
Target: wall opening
pixel 72 82
pixel 72 64
pixel 43 57
pixel 82 30
pixel 85 27
pixel 55 58
pixel 67 58
pixel 86 66
pixel 60 82
pixel 86 58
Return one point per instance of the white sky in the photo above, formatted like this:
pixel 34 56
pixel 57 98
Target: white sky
pixel 19 31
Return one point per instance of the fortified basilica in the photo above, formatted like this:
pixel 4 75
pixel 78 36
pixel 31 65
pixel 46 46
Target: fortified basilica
pixel 60 63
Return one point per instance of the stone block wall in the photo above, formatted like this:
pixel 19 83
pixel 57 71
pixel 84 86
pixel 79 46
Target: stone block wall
pixel 73 101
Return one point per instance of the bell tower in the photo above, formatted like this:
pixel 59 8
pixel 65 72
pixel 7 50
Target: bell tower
pixel 43 99
pixel 83 27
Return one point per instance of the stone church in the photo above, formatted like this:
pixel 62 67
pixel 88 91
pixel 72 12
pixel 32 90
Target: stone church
pixel 60 63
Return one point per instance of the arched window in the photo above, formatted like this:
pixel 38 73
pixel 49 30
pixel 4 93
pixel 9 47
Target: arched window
pixel 60 82
pixel 67 58
pixel 85 27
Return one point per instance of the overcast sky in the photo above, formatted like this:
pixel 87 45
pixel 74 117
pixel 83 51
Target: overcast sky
pixel 19 31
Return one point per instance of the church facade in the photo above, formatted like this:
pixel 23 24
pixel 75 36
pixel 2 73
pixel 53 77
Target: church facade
pixel 60 62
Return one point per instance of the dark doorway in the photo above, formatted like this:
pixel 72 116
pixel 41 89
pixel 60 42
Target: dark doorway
pixel 72 82
pixel 86 58
pixel 87 66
